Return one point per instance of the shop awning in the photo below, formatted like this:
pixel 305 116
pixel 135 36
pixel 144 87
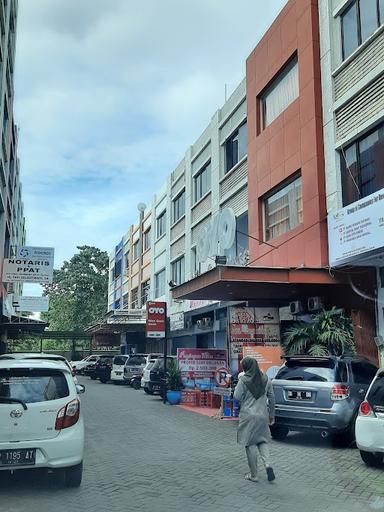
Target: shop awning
pixel 277 286
pixel 22 325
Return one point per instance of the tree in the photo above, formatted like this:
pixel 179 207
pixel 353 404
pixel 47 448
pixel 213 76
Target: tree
pixel 78 295
pixel 329 334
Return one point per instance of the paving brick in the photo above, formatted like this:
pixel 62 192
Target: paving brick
pixel 143 456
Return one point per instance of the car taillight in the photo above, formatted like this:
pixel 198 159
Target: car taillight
pixel 73 372
pixel 68 415
pixel 365 409
pixel 339 392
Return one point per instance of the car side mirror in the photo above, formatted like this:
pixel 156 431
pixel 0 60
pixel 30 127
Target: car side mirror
pixel 80 388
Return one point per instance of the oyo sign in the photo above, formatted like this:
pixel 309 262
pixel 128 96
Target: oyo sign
pixel 218 236
pixel 156 319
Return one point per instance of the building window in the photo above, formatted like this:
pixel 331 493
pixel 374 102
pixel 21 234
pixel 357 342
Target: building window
pixel 202 182
pixel 145 289
pixel 196 267
pixel 160 225
pixel 117 304
pixel 179 206
pixel 280 94
pixel 178 271
pixel 117 268
pixel 126 263
pixel 125 301
pixel 362 171
pixel 358 22
pixel 135 299
pixel 147 239
pixel 135 251
pixel 160 284
pixel 236 147
pixel 283 210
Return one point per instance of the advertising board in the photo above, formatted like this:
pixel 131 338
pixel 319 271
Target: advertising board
pixel 22 270
pixel 156 319
pixel 198 366
pixel 36 253
pixel 31 304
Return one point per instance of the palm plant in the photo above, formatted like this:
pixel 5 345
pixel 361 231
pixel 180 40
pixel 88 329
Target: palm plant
pixel 173 377
pixel 329 334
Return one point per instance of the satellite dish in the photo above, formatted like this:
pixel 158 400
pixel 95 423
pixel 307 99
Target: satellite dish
pixel 227 228
pixel 141 207
pixel 203 245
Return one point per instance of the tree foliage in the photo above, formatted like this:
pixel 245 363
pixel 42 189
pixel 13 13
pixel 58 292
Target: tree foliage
pixel 78 295
pixel 329 334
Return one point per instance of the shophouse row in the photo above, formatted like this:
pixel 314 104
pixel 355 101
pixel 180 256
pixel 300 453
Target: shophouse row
pixel 294 158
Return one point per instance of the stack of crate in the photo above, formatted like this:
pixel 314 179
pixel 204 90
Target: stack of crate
pixel 189 397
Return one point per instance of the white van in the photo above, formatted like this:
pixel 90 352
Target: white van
pixel 117 372
pixel 40 421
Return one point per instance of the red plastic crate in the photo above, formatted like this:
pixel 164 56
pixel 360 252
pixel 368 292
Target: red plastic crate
pixel 189 397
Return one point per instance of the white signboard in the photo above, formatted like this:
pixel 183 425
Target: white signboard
pixel 176 321
pixel 36 253
pixel 356 230
pixel 8 309
pixel 217 236
pixel 21 270
pixel 31 304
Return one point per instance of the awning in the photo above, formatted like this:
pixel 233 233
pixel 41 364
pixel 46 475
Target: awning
pixel 22 325
pixel 277 286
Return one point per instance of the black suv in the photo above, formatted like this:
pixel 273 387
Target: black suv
pixel 153 377
pixel 103 368
pixel 321 394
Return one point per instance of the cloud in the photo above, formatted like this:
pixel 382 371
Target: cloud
pixel 109 95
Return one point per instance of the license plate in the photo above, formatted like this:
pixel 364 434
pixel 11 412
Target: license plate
pixel 118 373
pixel 156 388
pixel 17 457
pixel 299 395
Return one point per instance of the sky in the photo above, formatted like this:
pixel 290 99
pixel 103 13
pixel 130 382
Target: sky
pixel 109 94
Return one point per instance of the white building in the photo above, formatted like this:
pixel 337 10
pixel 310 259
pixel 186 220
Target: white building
pixel 211 176
pixel 352 65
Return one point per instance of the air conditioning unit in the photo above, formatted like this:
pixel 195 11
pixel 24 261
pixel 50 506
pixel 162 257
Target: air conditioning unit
pixel 314 304
pixel 200 324
pixel 296 307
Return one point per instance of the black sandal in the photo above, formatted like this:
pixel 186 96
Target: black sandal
pixel 270 474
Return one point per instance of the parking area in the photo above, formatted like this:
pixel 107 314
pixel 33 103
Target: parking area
pixel 142 455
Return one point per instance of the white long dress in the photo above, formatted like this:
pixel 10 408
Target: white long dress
pixel 254 414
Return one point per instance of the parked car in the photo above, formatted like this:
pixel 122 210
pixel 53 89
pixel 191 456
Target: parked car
pixel 320 394
pixel 370 424
pixel 145 374
pixel 80 366
pixel 153 377
pixel 103 368
pixel 134 366
pixel 118 364
pixel 41 355
pixel 41 425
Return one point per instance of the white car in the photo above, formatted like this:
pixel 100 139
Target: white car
pixel 41 355
pixel 117 372
pixel 370 424
pixel 41 425
pixel 80 366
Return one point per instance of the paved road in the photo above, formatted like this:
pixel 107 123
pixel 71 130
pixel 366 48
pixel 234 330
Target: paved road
pixel 144 456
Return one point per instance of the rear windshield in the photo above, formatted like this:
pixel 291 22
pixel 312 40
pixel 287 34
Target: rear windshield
pixel 33 386
pixel 120 360
pixel 136 361
pixel 315 371
pixel 159 363
pixel 376 394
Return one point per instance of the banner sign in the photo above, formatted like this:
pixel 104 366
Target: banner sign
pixel 36 253
pixel 31 304
pixel 198 366
pixel 177 321
pixel 21 270
pixel 356 230
pixel 156 319
pixel 269 358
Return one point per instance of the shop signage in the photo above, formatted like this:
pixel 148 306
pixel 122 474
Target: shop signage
pixel 222 391
pixel 156 319
pixel 23 270
pixel 199 365
pixel 36 253
pixel 196 304
pixel 177 321
pixel 269 358
pixel 217 236
pixel 356 230
pixel 31 304
pixel 8 309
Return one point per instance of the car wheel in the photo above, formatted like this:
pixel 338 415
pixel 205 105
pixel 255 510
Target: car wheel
pixel 136 384
pixel 372 459
pixel 74 475
pixel 103 381
pixel 148 391
pixel 279 432
pixel 93 377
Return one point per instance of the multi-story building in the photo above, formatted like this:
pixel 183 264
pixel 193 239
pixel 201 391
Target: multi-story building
pixel 288 244
pixel 212 176
pixel 12 223
pixel 352 49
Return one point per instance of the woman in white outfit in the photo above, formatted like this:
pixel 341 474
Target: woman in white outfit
pixel 254 391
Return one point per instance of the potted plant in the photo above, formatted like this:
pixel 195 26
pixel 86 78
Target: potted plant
pixel 174 383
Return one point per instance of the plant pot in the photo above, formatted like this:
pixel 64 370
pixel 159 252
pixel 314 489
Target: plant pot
pixel 174 397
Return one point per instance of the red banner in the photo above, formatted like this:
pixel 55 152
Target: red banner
pixel 156 319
